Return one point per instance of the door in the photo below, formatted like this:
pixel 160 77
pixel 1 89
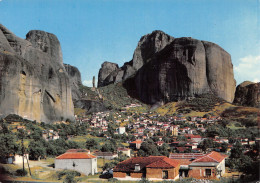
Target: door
pixel 165 174
pixel 208 172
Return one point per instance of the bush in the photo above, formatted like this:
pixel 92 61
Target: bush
pixel 68 173
pixel 112 180
pixel 70 178
pixel 21 172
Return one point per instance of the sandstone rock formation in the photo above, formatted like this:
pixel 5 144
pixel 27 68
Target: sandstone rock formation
pixel 90 106
pixel 147 47
pixel 248 94
pixel 169 69
pixel 33 80
pixel 106 69
pixel 75 81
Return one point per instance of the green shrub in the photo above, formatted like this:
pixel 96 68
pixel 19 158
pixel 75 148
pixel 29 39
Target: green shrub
pixel 112 180
pixel 21 172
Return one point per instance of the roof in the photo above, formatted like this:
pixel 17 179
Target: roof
pixel 146 162
pixel 123 149
pixel 211 157
pixel 192 136
pixel 185 161
pixel 136 142
pixel 104 153
pixel 76 155
pixel 185 155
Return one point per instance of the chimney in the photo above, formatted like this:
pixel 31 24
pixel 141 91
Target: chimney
pixel 137 168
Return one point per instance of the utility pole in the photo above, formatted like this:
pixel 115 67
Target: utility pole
pixel 28 166
pixel 23 152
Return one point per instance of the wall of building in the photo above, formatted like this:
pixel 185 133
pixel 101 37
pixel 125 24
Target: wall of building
pixel 222 167
pixel 18 159
pixel 119 174
pixel 85 166
pixel 200 172
pixel 158 173
pixel 127 153
pixel 136 175
pixel 94 166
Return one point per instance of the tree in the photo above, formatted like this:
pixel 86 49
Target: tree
pixel 108 147
pixel 205 144
pixel 237 151
pixel 36 150
pixel 91 144
pixel 8 144
pixel 224 147
pixel 164 150
pixel 149 148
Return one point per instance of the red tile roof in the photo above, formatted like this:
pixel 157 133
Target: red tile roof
pixel 184 161
pixel 211 157
pixel 75 155
pixel 146 162
pixel 192 136
pixel 136 142
pixel 185 155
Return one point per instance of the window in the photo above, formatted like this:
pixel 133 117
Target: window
pixel 127 173
pixel 208 172
pixel 165 174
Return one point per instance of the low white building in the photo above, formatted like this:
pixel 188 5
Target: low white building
pixel 121 130
pixel 82 162
pixel 125 151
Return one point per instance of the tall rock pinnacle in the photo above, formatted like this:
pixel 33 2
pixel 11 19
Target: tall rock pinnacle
pixel 33 80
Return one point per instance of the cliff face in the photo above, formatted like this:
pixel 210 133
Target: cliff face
pixel 104 75
pixel 75 81
pixel 169 69
pixel 33 80
pixel 147 47
pixel 248 94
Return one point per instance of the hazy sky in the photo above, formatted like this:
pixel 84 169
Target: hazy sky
pixel 94 31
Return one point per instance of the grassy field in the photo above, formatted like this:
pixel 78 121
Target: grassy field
pixel 172 108
pixel 101 162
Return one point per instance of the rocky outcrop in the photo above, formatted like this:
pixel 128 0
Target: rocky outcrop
pixel 169 69
pixel 75 81
pixel 147 47
pixel 106 69
pixel 248 94
pixel 186 68
pixel 90 106
pixel 33 80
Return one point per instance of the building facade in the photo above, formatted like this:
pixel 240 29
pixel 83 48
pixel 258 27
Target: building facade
pixel 82 162
pixel 198 165
pixel 152 168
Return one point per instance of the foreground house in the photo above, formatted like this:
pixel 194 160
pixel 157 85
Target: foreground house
pixel 212 165
pixel 198 165
pixel 77 160
pixel 152 168
pixel 185 160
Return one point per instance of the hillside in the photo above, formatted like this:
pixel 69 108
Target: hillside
pixel 213 106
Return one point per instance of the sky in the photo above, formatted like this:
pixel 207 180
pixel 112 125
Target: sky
pixel 94 31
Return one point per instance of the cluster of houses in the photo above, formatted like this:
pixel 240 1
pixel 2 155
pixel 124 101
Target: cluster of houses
pixel 188 160
pixel 195 165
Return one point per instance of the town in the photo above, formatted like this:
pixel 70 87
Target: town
pixel 135 146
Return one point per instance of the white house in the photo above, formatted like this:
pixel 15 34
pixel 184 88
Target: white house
pixel 79 161
pixel 125 151
pixel 121 130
